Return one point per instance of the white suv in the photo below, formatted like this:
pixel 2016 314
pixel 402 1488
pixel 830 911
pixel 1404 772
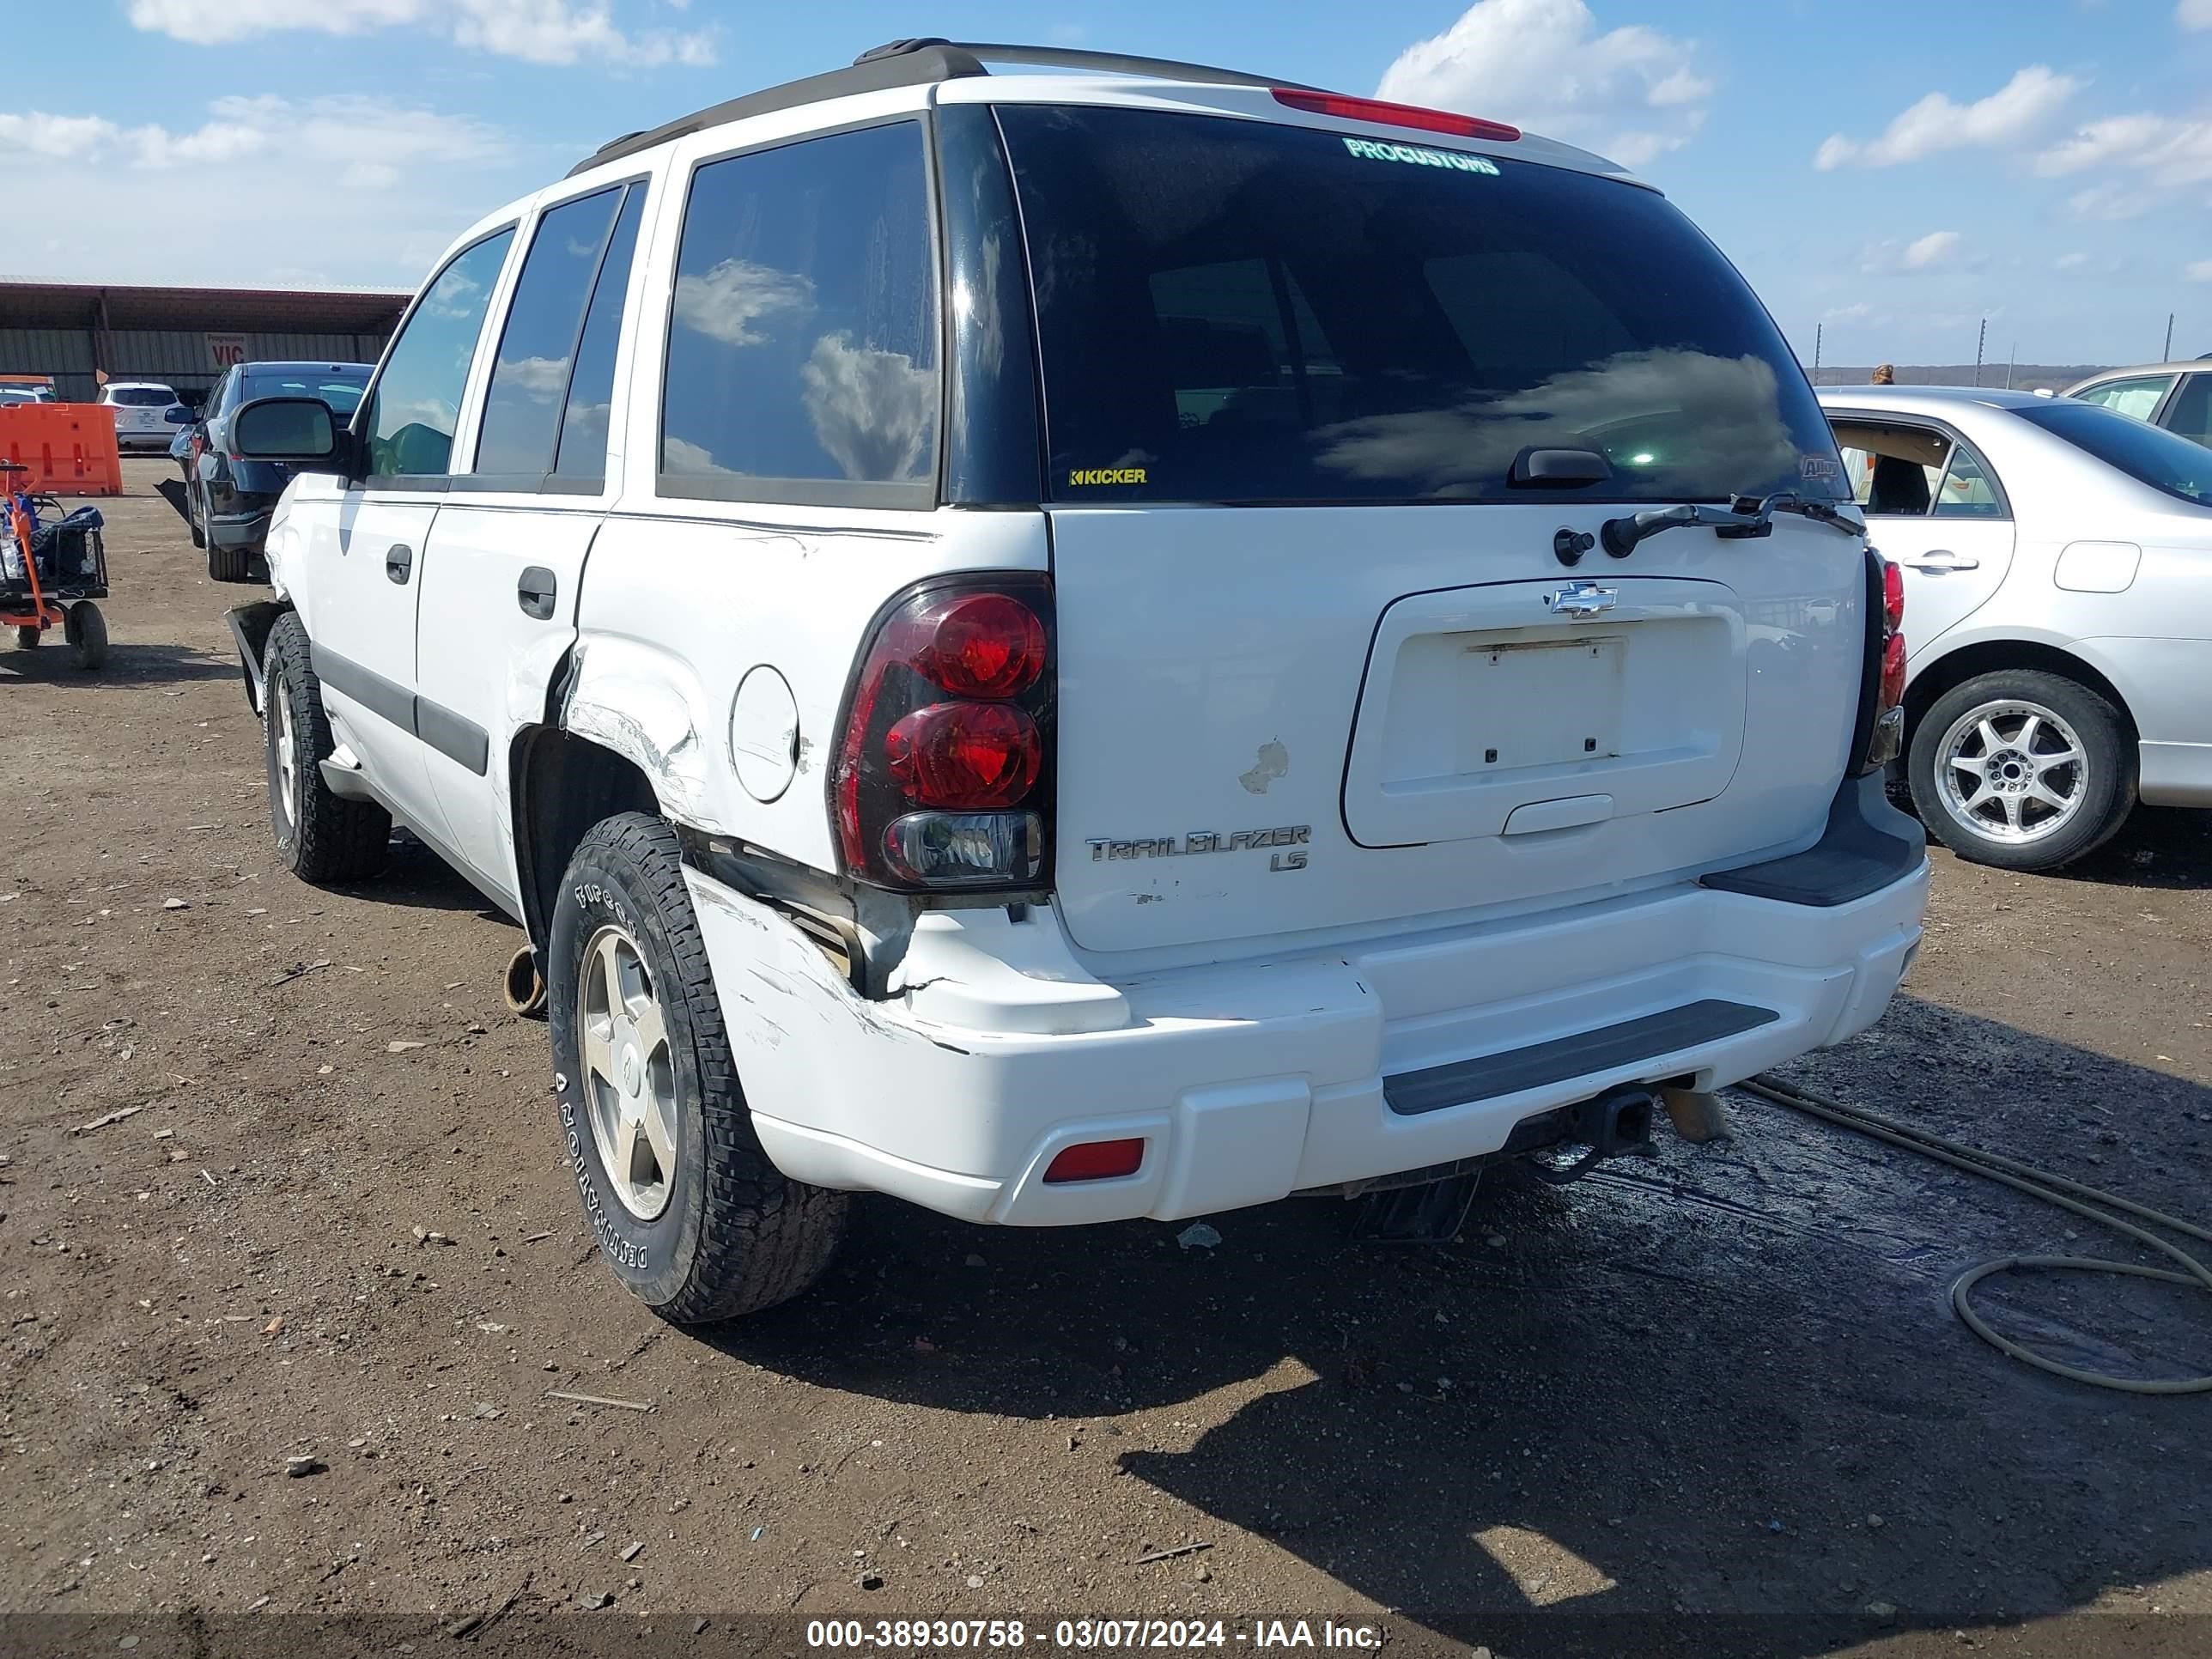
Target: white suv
pixel 1070 647
pixel 147 413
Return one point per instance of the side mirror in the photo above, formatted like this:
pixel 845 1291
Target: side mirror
pixel 299 431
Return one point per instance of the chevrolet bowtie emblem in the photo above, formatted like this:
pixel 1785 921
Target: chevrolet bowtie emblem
pixel 1582 600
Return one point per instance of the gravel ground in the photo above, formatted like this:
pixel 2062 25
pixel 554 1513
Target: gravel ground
pixel 1714 1402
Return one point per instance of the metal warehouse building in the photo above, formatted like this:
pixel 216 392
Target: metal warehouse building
pixel 182 336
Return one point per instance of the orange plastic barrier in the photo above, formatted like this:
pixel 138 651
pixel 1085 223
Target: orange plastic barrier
pixel 70 448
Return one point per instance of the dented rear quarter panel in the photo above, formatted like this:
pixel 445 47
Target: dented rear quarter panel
pixel 679 604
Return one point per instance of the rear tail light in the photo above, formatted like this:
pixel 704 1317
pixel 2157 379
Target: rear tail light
pixel 1384 113
pixel 1095 1160
pixel 943 778
pixel 1884 719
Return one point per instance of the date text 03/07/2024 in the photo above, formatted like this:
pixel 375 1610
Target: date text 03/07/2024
pixel 1086 1635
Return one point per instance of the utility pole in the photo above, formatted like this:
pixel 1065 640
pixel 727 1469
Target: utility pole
pixel 1981 339
pixel 2166 356
pixel 1816 352
pixel 2011 363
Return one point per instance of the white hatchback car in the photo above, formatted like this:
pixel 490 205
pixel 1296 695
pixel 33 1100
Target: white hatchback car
pixel 147 413
pixel 1071 647
pixel 2058 559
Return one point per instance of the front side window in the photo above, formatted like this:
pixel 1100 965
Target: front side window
pixel 1237 311
pixel 2149 454
pixel 2138 395
pixel 417 401
pixel 803 341
pixel 537 348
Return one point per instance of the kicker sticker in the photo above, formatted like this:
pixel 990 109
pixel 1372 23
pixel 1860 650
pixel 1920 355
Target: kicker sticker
pixel 1368 149
pixel 1105 475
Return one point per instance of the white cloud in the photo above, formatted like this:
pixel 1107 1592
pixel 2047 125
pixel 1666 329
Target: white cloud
pixel 302 204
pixel 1936 249
pixel 2194 14
pixel 2014 111
pixel 2167 151
pixel 1632 93
pixel 725 302
pixel 537 31
pixel 873 410
pixel 2201 271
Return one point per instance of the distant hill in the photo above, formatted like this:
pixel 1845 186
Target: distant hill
pixel 2025 377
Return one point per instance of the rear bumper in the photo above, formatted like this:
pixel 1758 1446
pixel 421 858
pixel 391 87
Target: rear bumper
pixel 248 529
pixel 1251 1081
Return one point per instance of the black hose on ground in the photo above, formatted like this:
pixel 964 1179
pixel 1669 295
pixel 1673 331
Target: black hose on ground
pixel 2036 1183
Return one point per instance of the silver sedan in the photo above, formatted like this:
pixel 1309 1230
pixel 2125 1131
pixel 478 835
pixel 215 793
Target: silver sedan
pixel 2057 560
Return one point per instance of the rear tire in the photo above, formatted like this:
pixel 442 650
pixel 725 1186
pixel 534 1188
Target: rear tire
pixel 1992 778
pixel 322 838
pixel 197 522
pixel 229 564
pixel 27 638
pixel 86 631
pixel 723 1232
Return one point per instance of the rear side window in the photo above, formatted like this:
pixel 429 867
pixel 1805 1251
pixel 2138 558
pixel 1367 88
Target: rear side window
pixel 802 340
pixel 2191 413
pixel 2139 396
pixel 583 452
pixel 1967 490
pixel 417 399
pixel 1236 311
pixel 529 377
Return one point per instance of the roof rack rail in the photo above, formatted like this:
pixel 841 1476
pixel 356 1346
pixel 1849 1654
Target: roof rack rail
pixel 919 62
pixel 1167 69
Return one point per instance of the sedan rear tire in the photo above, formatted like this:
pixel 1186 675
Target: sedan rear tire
pixel 2022 769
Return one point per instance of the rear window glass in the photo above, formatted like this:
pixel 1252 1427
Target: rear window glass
pixel 1234 311
pixel 2149 454
pixel 342 395
pixel 142 397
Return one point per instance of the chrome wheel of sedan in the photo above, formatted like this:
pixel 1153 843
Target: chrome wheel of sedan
pixel 629 1075
pixel 2013 771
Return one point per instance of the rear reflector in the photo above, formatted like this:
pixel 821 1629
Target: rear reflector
pixel 1095 1160
pixel 1387 114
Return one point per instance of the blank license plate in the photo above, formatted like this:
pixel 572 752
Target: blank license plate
pixel 1542 703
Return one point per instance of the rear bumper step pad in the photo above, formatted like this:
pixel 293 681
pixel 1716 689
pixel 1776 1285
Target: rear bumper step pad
pixel 1486 1077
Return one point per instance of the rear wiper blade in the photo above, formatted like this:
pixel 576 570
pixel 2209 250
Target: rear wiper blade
pixel 1744 516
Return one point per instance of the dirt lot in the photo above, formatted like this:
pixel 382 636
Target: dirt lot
pixel 1715 1402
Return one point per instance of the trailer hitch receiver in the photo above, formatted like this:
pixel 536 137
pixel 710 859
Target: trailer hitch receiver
pixel 1615 1124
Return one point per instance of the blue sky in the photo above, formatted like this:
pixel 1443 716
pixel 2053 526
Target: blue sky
pixel 1893 171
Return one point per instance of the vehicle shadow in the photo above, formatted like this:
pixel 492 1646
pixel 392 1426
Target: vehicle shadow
pixel 418 877
pixel 2165 847
pixel 1719 1393
pixel 172 491
pixel 128 666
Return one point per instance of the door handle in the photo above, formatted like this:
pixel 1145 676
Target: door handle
pixel 535 591
pixel 1941 559
pixel 399 561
